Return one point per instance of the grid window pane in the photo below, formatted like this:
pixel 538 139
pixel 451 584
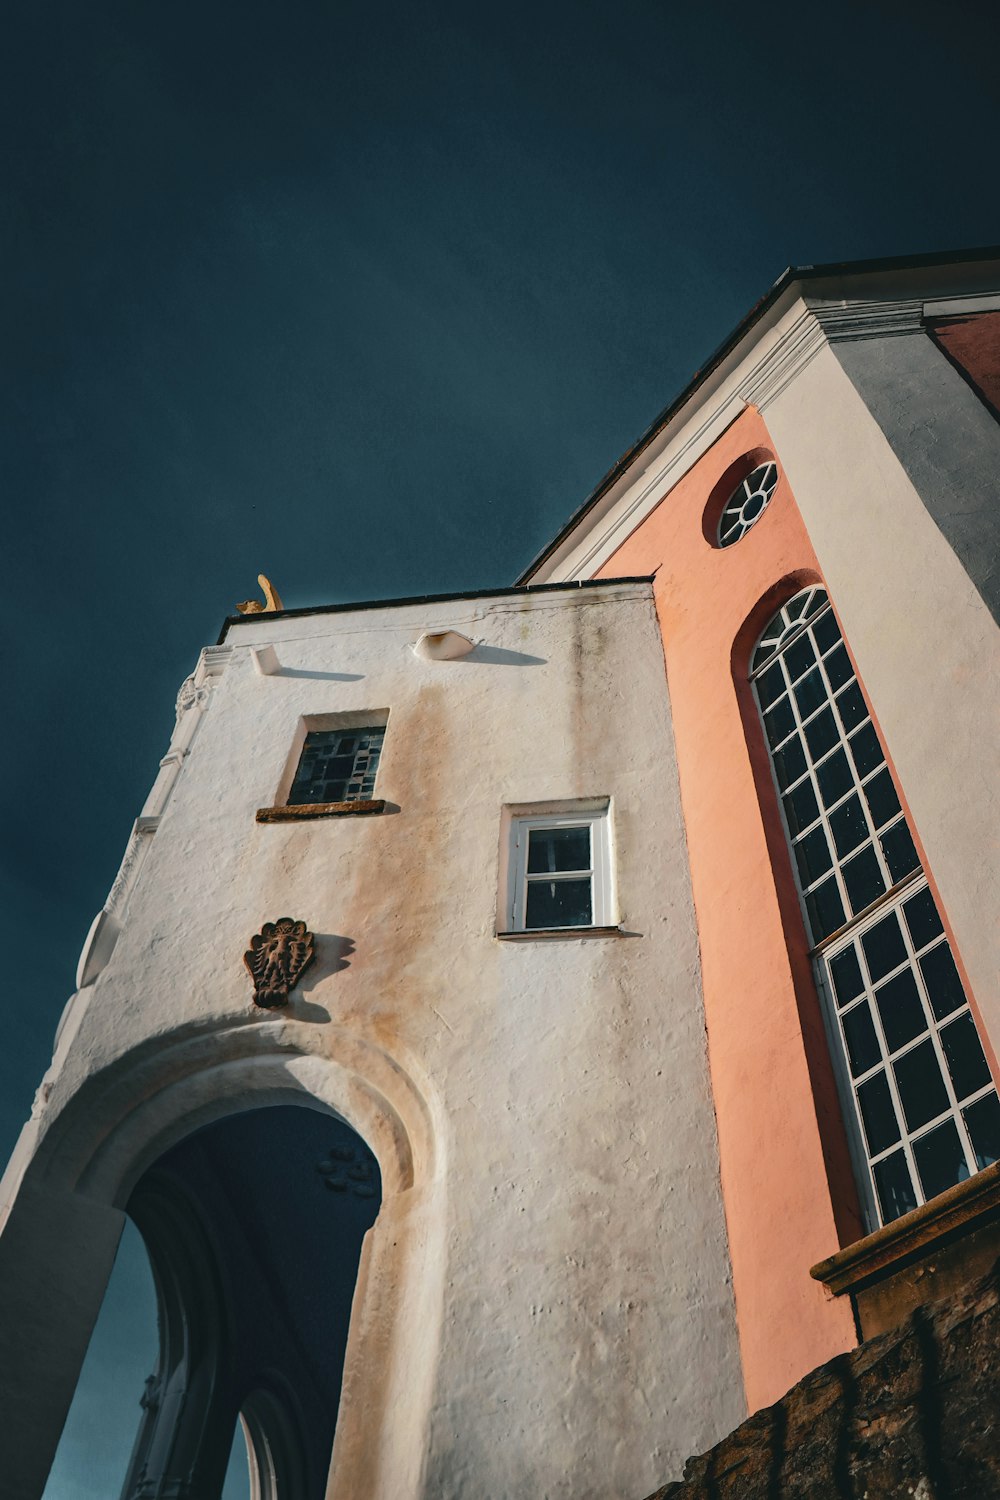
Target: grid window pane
pixel 799 657
pixel 922 920
pixel 789 762
pixel 838 668
pixel 834 777
pixel 852 707
pixel 770 685
pixel 894 1186
pixel 846 973
pixel 966 1063
pixel 940 1159
pixel 779 722
pixel 942 981
pixel 983 1122
pixel 884 947
pixel 882 800
pixel 848 826
pixel 801 807
pixel 826 909
pixel 921 1088
pixel 897 847
pixel 866 750
pixel 812 855
pixel 559 903
pixel 558 849
pixel 863 1050
pixel 822 734
pixel 878 1114
pixel 863 879
pixel 810 693
pixel 900 1010
pixel 826 631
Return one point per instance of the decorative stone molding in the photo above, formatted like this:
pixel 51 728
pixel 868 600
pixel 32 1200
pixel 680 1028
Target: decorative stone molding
pixel 277 958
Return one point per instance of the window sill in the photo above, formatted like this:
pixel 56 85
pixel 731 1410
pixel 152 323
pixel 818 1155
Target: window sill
pixel 557 932
pixel 305 810
pixel 883 1271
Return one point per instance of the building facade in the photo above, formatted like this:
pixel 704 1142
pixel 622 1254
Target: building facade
pixel 552 1022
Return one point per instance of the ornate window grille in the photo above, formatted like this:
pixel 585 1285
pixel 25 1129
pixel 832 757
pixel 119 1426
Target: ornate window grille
pixel 747 503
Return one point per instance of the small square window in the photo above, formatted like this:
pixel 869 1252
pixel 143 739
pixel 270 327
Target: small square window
pixel 337 765
pixel 560 871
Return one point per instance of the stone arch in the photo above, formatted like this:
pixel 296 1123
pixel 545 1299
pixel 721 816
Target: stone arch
pixel 77 1165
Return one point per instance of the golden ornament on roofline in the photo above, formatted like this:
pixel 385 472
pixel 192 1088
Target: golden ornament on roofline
pixel 272 600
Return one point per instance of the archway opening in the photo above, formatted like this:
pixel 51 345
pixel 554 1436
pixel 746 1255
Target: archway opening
pixel 254 1227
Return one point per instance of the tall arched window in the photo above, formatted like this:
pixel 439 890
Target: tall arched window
pixel 919 1100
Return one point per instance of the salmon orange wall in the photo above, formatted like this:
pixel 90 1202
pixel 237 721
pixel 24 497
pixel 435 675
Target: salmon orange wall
pixel 786 1177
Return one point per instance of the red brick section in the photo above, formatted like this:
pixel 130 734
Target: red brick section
pixel 973 345
pixel 911 1413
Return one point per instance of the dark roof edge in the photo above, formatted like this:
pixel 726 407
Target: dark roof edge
pixel 785 280
pixel 337 609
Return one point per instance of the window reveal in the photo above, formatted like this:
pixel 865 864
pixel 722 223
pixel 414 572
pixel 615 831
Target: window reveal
pixel 911 1067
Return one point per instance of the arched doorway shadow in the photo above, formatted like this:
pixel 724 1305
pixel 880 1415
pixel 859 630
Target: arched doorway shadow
pixel 254 1227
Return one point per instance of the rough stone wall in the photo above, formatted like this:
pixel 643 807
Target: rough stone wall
pixel 911 1413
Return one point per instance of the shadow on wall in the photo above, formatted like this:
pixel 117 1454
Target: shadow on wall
pixel 497 656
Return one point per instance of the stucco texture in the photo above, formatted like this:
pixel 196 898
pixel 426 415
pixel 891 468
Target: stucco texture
pixel 544 1304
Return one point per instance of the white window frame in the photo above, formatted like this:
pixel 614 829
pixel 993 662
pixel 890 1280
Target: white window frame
pixel 598 820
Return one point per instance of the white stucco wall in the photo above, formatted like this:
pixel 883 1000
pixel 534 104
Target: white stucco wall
pixel 544 1305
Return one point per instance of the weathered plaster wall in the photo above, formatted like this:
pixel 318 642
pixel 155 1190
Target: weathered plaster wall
pixel 544 1303
pixel 785 1171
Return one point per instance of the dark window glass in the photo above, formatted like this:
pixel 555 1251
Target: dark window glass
pixel 821 733
pixel 922 918
pixel 790 762
pixel 940 1159
pixel 897 846
pixel 942 981
pixel 966 1063
pixel 900 1010
pixel 846 971
pixel 834 778
pixel 851 707
pixel 826 910
pixel 878 1114
pixel 770 685
pixel 882 799
pixel 779 722
pixel 848 825
pixel 838 668
pixel 799 657
pixel 812 855
pixel 983 1122
pixel 866 749
pixel 884 947
pixel 558 903
pixel 810 693
pixel 801 807
pixel 826 632
pixel 337 766
pixel 893 1185
pixel 921 1088
pixel 862 1043
pixel 863 879
pixel 558 849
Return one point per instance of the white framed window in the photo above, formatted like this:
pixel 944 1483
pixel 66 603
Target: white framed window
pixel 919 1101
pixel 559 870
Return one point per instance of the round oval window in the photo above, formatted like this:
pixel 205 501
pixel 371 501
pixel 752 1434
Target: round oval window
pixel 747 503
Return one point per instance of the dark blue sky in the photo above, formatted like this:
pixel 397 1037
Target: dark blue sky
pixel 368 298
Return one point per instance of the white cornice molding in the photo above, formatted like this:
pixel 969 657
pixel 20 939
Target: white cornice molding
pixel 868 319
